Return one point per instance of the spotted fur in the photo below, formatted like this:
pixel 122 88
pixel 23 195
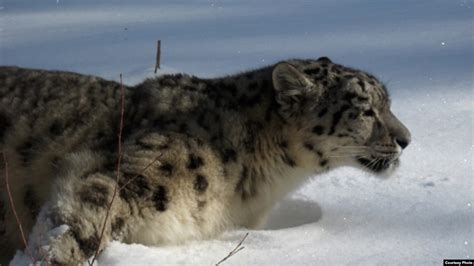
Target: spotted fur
pixel 200 156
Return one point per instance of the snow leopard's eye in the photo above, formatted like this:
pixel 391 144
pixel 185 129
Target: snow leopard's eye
pixel 358 113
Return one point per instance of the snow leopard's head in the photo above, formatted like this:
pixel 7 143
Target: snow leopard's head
pixel 343 115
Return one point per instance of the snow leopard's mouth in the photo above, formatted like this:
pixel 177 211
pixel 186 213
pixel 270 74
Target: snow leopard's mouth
pixel 377 164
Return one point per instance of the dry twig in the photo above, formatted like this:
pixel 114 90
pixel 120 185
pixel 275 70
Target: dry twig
pixel 137 175
pixel 158 56
pixel 12 205
pixel 119 160
pixel 238 248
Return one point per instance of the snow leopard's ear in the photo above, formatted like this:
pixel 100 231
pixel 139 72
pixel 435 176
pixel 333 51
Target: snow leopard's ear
pixel 294 91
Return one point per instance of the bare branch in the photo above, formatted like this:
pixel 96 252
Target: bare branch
pixel 237 248
pixel 158 56
pixel 137 175
pixel 12 205
pixel 119 160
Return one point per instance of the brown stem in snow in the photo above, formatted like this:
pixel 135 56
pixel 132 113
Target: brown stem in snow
pixel 158 56
pixel 119 160
pixel 12 205
pixel 235 250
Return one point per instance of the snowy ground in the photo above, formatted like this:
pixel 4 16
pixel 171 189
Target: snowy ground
pixel 423 50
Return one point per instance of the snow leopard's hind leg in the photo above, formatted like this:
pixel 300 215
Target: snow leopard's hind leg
pixel 69 226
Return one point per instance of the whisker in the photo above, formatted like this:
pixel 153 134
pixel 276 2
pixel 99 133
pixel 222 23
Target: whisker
pixel 344 151
pixel 340 156
pixel 348 149
pixel 371 162
pixel 374 162
pixel 351 146
pixel 348 154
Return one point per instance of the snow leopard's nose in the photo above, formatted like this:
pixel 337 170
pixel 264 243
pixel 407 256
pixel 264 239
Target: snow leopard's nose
pixel 402 136
pixel 398 132
pixel 403 142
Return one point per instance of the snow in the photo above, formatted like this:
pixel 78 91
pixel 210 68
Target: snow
pixel 422 50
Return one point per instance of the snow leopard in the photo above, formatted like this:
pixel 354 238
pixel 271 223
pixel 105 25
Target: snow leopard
pixel 198 156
